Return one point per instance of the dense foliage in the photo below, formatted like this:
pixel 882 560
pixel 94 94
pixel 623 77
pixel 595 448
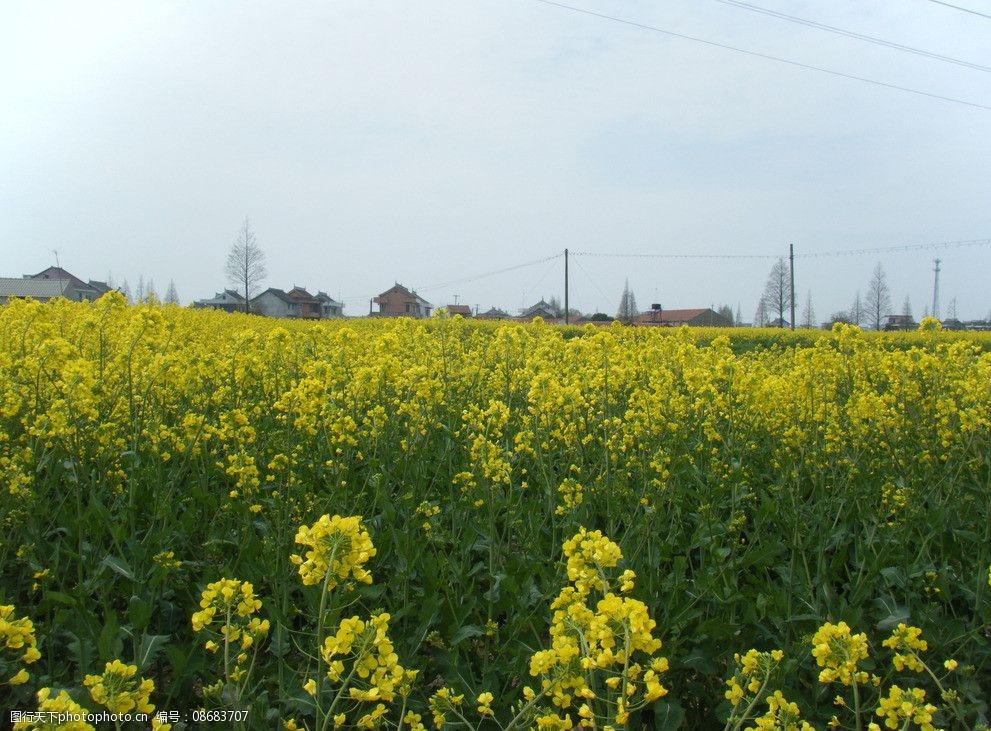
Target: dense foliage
pixel 169 477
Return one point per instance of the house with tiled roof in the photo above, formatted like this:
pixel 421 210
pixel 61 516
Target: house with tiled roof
pixel 90 290
pixel 37 289
pixel 698 317
pixel 329 307
pixel 494 313
pixel 228 301
pixel 398 301
pixel 463 310
pixel 275 302
pixel 49 284
pixel 309 306
pixel 541 309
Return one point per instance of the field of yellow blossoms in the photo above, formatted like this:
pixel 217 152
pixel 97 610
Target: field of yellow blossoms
pixel 224 521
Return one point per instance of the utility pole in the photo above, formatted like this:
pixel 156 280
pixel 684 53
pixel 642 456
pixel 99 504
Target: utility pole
pixel 936 292
pixel 791 256
pixel 567 314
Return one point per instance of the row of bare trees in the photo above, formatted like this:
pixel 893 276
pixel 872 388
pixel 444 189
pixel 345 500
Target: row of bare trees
pixel 776 301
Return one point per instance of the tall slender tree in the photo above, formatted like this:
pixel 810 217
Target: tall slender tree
pixel 760 317
pixel 878 300
pixel 808 312
pixel 627 305
pixel 857 310
pixel 777 292
pixel 246 264
pixel 171 295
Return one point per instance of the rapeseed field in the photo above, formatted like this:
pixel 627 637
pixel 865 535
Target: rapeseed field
pixel 225 521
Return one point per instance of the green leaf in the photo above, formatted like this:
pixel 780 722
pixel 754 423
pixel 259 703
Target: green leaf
pixel 278 643
pixel 897 616
pixel 139 613
pixel 110 644
pixel 469 630
pixel 668 715
pixel 118 566
pixel 149 649
pixel 59 597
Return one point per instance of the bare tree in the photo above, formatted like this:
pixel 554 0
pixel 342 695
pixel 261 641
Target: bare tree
pixel 139 293
pixel 171 295
pixel 125 289
pixel 760 317
pixel 907 307
pixel 808 312
pixel 627 305
pixel 150 294
pixel 951 311
pixel 878 300
pixel 246 264
pixel 856 313
pixel 777 291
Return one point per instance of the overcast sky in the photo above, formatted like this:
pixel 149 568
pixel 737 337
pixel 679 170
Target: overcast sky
pixel 380 141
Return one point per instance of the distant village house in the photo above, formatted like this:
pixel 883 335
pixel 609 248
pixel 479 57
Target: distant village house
pixel 463 310
pixel 228 301
pixel 49 284
pixel 700 317
pixel 397 301
pixel 297 303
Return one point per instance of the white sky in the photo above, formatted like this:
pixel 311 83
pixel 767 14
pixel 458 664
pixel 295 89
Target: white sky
pixel 380 141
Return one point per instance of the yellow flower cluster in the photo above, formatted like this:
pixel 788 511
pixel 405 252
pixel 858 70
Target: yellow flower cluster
pixel 339 548
pixel 781 715
pixel 120 690
pixel 230 598
pixel 442 703
pixel 51 710
pixel 906 643
pixel 903 706
pixel 17 638
pixel 754 669
pixel 588 554
pixel 838 652
pixel 232 604
pixel 572 494
pixel 368 647
pixel 613 641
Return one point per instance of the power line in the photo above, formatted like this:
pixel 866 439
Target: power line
pixel 674 256
pixel 765 56
pixel 452 282
pixel 806 255
pixel 957 7
pixel 594 283
pixel 853 34
pixel 898 249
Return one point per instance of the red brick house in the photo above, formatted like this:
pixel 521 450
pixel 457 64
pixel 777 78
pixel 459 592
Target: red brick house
pixel 463 310
pixel 397 301
pixel 702 317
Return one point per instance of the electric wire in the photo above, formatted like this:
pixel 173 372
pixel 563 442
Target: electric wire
pixel 464 280
pixel 853 34
pixel 957 7
pixel 592 280
pixel 798 255
pixel 768 57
